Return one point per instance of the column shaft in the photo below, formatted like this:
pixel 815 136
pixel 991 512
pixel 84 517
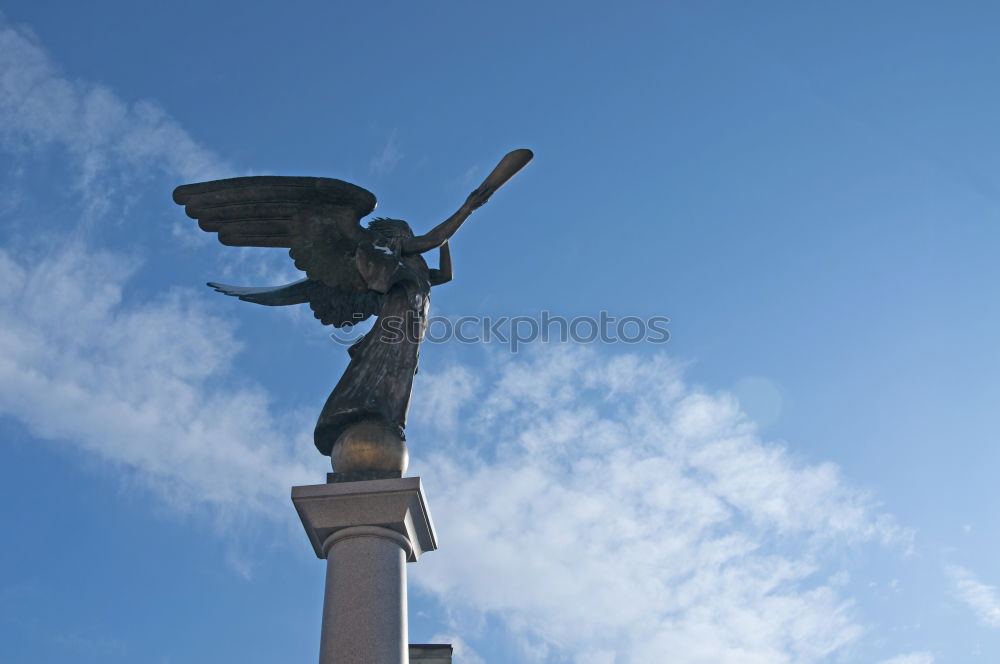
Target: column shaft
pixel 364 609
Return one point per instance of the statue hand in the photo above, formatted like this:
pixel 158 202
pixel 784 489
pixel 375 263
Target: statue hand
pixel 478 198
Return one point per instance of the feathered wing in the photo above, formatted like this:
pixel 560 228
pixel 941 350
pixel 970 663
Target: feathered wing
pixel 297 292
pixel 332 306
pixel 316 219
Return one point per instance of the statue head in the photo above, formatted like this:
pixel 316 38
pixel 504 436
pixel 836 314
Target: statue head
pixel 393 230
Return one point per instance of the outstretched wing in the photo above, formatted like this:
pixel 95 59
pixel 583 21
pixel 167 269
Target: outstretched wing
pixel 316 219
pixel 332 306
pixel 297 292
pixel 258 211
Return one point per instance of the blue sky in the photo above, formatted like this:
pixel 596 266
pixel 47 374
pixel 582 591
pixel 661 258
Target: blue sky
pixel 805 472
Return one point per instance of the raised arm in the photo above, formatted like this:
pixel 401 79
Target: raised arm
pixel 443 274
pixel 505 170
pixel 441 233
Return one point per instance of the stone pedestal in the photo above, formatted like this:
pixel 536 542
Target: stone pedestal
pixel 367 531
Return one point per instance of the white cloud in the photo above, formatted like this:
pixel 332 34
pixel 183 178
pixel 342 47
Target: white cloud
pixel 468 178
pixel 607 512
pixel 112 142
pixel 444 395
pixel 984 600
pixel 385 162
pixel 138 386
pixel 114 148
pixel 141 386
pixel 599 506
pixel 911 658
pixel 92 647
pixel 462 652
pixel 595 504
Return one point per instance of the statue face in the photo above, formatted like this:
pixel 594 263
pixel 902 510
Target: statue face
pixel 395 243
pixel 393 230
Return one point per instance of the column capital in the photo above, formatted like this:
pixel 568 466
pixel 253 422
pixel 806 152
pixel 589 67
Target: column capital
pixel 397 504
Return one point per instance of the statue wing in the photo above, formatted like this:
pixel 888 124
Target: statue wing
pixel 332 306
pixel 317 219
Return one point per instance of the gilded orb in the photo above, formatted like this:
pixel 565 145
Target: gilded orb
pixel 370 445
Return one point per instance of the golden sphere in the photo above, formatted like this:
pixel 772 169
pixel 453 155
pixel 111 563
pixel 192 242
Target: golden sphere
pixel 369 445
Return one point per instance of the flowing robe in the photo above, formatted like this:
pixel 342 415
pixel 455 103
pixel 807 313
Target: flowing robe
pixel 378 380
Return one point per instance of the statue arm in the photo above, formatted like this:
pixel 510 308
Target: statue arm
pixel 443 274
pixel 505 170
pixel 441 233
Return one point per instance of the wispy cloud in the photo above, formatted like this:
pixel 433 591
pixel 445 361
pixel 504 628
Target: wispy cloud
pixel 385 162
pixel 911 658
pixel 984 600
pixel 112 142
pixel 90 647
pixel 462 651
pixel 600 507
pixel 142 386
pixel 139 386
pixel 607 512
pixel 468 178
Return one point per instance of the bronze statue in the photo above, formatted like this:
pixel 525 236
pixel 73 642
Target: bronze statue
pixel 352 273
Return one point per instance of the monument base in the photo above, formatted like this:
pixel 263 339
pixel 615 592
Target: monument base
pixel 367 531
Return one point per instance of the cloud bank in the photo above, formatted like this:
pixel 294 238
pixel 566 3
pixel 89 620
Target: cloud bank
pixel 606 512
pixel 138 385
pixel 598 506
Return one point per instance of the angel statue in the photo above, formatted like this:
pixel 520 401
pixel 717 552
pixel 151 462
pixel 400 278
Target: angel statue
pixel 352 273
